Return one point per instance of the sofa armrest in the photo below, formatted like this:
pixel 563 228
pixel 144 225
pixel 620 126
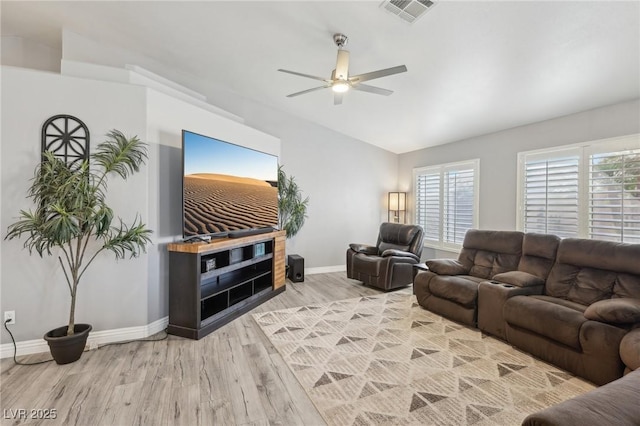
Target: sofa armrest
pixel 630 349
pixel 447 267
pixel 400 253
pixel 364 248
pixel 518 279
pixel 615 403
pixel 621 310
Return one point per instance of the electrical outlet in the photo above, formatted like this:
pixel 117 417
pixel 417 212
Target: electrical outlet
pixel 11 316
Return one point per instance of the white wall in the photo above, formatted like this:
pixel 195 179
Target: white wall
pixel 346 181
pixel 498 156
pixel 21 52
pixel 110 295
pixel 78 48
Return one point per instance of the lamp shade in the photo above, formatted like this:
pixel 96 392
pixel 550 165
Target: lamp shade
pixel 397 204
pixel 397 201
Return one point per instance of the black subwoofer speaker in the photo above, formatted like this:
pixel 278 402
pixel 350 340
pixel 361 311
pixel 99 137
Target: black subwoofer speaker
pixel 296 268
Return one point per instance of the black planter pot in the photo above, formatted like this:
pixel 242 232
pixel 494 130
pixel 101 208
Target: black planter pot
pixel 66 349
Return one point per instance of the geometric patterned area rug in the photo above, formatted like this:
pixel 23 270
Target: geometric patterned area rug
pixel 384 360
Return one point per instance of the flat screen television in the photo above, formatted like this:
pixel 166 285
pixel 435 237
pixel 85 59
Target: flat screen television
pixel 227 188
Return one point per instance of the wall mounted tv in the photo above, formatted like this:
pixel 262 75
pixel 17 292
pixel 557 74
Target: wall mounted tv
pixel 227 188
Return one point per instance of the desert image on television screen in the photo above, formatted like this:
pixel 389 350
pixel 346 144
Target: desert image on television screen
pixel 227 187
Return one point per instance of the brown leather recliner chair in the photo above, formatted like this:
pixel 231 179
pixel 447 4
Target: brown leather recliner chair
pixel 388 264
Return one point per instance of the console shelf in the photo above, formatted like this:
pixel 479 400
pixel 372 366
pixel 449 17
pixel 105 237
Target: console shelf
pixel 213 283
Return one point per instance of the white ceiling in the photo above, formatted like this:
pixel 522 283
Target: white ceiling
pixel 473 67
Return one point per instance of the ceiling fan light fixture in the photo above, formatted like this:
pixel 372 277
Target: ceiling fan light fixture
pixel 340 86
pixel 341 82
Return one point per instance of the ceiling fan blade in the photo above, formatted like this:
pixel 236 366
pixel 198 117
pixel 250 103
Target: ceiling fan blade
pixel 305 75
pixel 342 65
pixel 377 74
pixel 337 98
pixel 307 91
pixel 372 89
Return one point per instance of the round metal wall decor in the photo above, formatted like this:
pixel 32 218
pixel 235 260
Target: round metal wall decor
pixel 67 137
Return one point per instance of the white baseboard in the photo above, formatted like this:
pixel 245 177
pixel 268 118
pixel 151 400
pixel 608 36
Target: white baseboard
pixel 325 269
pixel 96 338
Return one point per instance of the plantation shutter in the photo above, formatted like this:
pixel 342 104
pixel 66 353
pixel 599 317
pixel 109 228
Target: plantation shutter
pixel 551 192
pixel 458 204
pixel 428 204
pixel 614 196
pixel 446 202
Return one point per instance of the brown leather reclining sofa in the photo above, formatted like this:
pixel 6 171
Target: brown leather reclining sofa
pixel 570 302
pixel 450 287
pixel 615 403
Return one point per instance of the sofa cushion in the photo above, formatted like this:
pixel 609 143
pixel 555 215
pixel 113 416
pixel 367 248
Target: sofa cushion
pixel 616 311
pixel 486 264
pixel 580 284
pixel 496 241
pixel 627 285
pixel 486 253
pixel 538 254
pixel 519 279
pixel 400 253
pixel 390 246
pixel 607 255
pixel 590 270
pixel 556 319
pixel 446 267
pixel 400 237
pixel 462 289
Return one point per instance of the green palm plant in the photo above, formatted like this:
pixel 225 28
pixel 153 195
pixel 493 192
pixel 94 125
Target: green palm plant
pixel 71 215
pixel 292 208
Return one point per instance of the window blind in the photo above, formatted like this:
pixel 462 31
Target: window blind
pixel 587 190
pixel 428 204
pixel 551 192
pixel 446 201
pixel 458 204
pixel 614 196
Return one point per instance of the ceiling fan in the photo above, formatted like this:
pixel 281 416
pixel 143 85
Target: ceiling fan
pixel 340 81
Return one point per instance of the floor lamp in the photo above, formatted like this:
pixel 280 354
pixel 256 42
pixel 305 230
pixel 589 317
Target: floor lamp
pixel 397 207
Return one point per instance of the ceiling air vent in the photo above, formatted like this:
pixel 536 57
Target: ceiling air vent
pixel 407 10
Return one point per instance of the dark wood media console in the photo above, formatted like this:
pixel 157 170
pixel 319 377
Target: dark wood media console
pixel 213 283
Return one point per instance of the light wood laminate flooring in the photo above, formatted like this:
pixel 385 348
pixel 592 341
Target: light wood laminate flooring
pixel 234 376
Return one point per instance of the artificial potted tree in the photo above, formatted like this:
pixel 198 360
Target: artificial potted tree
pixel 72 220
pixel 292 209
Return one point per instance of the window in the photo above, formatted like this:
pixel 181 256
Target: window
pixel 446 202
pixel 587 191
pixel 550 191
pixel 614 196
